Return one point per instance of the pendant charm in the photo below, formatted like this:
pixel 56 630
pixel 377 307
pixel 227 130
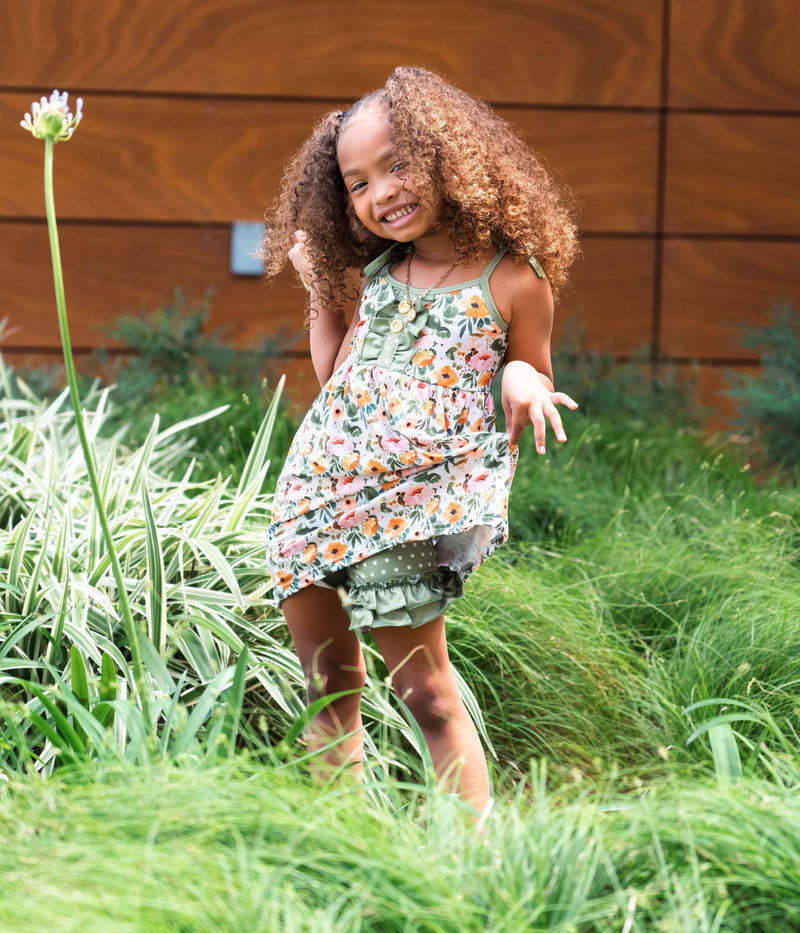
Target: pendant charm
pixel 405 306
pixel 411 314
pixel 396 326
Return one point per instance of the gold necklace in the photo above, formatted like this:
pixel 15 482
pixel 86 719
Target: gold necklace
pixel 407 307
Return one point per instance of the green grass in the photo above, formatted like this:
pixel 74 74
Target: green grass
pixel 241 848
pixel 633 654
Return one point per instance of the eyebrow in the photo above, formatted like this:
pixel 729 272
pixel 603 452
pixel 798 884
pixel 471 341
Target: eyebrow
pixel 384 157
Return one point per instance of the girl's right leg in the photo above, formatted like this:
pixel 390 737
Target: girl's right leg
pixel 332 661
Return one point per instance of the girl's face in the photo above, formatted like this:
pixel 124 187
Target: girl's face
pixel 381 193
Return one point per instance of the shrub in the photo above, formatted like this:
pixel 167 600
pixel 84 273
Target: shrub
pixel 770 402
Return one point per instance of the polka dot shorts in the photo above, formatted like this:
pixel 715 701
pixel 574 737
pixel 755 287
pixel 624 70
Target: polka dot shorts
pixel 402 585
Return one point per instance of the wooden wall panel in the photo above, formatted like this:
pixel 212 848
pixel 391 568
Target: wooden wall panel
pixel 609 306
pixel 193 107
pixel 733 174
pixel 711 385
pixel 532 51
pixel 132 159
pixel 608 160
pixel 712 286
pixel 211 160
pixel 735 54
pixel 111 270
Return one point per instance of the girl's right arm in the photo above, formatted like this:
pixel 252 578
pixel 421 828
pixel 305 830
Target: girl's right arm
pixel 330 334
pixel 330 341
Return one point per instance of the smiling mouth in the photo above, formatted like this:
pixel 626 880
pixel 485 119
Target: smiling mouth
pixel 403 212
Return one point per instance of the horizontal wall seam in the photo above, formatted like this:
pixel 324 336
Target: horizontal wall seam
pixel 226 224
pixel 305 355
pixel 333 102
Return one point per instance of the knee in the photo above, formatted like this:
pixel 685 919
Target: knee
pixel 434 704
pixel 329 672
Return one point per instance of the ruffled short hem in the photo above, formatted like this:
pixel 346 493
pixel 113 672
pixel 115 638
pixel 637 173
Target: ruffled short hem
pixel 411 601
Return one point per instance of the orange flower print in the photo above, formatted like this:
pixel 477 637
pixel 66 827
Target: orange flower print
pixel 336 550
pixel 477 308
pixel 283 579
pixel 395 405
pixel 428 406
pixel 370 526
pixel 302 506
pixel 454 512
pixel 350 461
pixel 423 357
pixel 408 457
pixel 485 378
pixel 362 397
pixel 396 527
pixel 310 554
pixel 433 505
pixel 464 416
pixel 375 466
pixel 319 463
pixel 445 376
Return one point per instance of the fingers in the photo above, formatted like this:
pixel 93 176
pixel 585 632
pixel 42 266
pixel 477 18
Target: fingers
pixel 561 398
pixel 537 413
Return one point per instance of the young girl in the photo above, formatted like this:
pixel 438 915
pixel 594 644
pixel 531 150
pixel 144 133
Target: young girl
pixel 396 484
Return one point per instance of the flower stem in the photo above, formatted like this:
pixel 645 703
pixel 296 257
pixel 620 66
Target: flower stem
pixel 126 615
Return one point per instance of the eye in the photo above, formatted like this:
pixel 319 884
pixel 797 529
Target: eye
pixel 357 186
pixel 397 167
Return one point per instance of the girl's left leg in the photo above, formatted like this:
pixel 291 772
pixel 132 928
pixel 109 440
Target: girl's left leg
pixel 422 676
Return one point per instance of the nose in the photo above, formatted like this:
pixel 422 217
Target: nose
pixel 385 189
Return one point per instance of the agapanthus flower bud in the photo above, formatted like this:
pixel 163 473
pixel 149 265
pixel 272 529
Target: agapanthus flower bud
pixel 52 119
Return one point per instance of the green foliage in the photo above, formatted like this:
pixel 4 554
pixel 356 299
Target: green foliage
pixel 193 556
pixel 631 389
pixel 640 634
pixel 770 402
pixel 234 848
pixel 174 366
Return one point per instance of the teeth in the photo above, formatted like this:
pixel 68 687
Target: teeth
pixel 401 213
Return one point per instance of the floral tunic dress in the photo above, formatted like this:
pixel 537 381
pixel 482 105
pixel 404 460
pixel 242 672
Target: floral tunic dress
pixel 400 445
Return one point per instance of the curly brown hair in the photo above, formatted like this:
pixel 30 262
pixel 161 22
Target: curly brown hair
pixel 492 187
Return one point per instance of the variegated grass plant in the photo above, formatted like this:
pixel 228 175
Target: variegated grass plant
pixel 128 596
pixel 219 669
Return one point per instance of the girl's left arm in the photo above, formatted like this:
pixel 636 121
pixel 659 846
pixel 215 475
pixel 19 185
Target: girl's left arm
pixel 528 394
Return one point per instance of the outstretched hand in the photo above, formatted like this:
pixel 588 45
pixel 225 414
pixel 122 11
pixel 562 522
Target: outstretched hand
pixel 527 400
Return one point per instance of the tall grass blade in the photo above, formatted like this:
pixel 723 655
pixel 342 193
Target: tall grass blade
pixel 727 763
pixel 202 710
pixel 155 581
pixel 231 719
pixel 258 452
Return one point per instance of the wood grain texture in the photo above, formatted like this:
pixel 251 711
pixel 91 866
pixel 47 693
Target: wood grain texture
pixel 609 307
pixel 222 160
pixel 735 54
pixel 711 288
pixel 608 160
pixel 532 51
pixel 733 174
pixel 155 159
pixel 111 270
